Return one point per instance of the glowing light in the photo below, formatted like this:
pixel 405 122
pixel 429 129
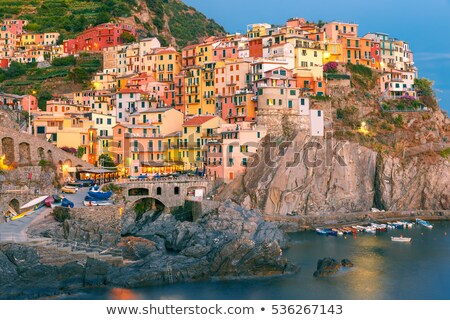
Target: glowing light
pixel 65 167
pixel 363 129
pixel 326 55
pixel 3 166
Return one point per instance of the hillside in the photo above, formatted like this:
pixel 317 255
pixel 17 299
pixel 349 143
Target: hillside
pixel 172 21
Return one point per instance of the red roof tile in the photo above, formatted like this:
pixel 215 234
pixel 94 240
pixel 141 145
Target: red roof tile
pixel 197 120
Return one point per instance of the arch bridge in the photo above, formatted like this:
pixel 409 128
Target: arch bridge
pixel 170 192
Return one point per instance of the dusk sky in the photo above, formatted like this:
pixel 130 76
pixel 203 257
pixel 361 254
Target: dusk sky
pixel 425 25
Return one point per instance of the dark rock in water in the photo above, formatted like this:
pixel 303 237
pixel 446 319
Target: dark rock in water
pixel 347 263
pixel 8 272
pixel 327 267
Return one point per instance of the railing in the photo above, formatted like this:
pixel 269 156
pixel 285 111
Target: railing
pixel 162 179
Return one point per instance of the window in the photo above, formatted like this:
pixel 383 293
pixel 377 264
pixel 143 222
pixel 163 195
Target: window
pixel 230 149
pixel 176 190
pixel 158 191
pixel 258 135
pixel 185 130
pixel 40 129
pixel 198 130
pixel 290 104
pixel 302 101
pixel 292 92
pixel 108 121
pixel 319 113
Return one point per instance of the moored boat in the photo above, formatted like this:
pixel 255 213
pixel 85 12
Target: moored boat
pixel 338 231
pixel 100 195
pixel 401 239
pixel 370 230
pixel 424 223
pixel 93 202
pixel 331 232
pixel 321 232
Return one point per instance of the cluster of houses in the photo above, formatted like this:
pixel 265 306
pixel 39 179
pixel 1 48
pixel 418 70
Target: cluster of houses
pixel 206 107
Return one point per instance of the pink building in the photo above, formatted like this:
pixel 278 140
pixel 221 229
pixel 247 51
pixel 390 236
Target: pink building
pixel 230 155
pixel 225 50
pixel 29 102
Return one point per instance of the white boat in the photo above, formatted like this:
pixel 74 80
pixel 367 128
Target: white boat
pixel 424 223
pixel 97 203
pixel 370 230
pixel 339 232
pixel 401 239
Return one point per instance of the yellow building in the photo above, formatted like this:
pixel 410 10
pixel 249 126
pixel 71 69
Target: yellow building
pixel 78 132
pixel 197 131
pixel 258 30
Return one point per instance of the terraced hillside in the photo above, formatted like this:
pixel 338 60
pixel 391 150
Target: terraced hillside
pixel 172 21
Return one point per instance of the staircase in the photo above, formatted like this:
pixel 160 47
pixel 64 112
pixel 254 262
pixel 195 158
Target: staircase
pixel 58 252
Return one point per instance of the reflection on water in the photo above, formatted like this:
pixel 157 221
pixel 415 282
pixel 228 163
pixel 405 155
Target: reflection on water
pixel 383 270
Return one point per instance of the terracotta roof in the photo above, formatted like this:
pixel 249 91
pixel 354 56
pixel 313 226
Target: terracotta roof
pixel 197 120
pixel 131 91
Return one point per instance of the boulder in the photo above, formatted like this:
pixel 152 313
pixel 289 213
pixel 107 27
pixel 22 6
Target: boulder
pixel 327 267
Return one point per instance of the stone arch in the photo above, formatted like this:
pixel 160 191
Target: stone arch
pixel 158 191
pixel 138 192
pixel 41 153
pixel 68 163
pixel 24 153
pixel 176 190
pixel 8 150
pixel 148 203
pixel 50 156
pixel 14 204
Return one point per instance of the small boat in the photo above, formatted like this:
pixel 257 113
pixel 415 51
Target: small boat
pixel 331 232
pixel 379 227
pixel 424 223
pixel 370 230
pixel 338 231
pixel 66 203
pixel 95 188
pixel 401 239
pixel 321 232
pixel 93 202
pixel 100 195
pixel 407 224
pixel 69 189
pixel 358 228
pixel 348 230
pixel 49 201
pixel 57 198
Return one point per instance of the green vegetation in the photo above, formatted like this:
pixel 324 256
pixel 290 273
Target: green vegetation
pixel 105 161
pixel 425 91
pixel 445 153
pixel 127 37
pixel 362 76
pixel 112 187
pixel 61 214
pixel 26 78
pixel 70 17
pixel 349 116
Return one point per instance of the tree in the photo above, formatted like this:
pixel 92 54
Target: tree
pixel 106 161
pixel 127 37
pixel 103 17
pixel 81 151
pixel 424 86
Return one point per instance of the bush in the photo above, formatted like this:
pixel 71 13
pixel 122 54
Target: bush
pixel 330 67
pixel 361 70
pixel 61 214
pixel 44 163
pixel 398 121
pixel 64 61
pixel 445 153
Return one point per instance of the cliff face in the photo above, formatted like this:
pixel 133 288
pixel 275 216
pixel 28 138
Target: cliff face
pixel 324 177
pixel 313 176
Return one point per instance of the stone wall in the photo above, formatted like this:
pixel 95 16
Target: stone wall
pixel 23 150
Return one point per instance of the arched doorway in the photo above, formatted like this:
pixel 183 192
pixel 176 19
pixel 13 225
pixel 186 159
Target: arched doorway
pixel 24 153
pixel 50 156
pixel 8 150
pixel 41 153
pixel 14 204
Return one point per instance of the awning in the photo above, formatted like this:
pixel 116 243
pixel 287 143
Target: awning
pixel 97 171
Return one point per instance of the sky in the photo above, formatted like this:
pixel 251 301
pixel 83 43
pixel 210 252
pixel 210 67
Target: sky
pixel 424 24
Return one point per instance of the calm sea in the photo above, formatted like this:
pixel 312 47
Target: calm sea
pixel 383 270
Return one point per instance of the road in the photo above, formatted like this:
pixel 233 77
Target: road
pixel 16 231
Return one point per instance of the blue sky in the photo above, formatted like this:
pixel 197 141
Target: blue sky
pixel 424 24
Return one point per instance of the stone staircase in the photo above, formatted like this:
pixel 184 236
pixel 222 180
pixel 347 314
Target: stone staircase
pixel 58 253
